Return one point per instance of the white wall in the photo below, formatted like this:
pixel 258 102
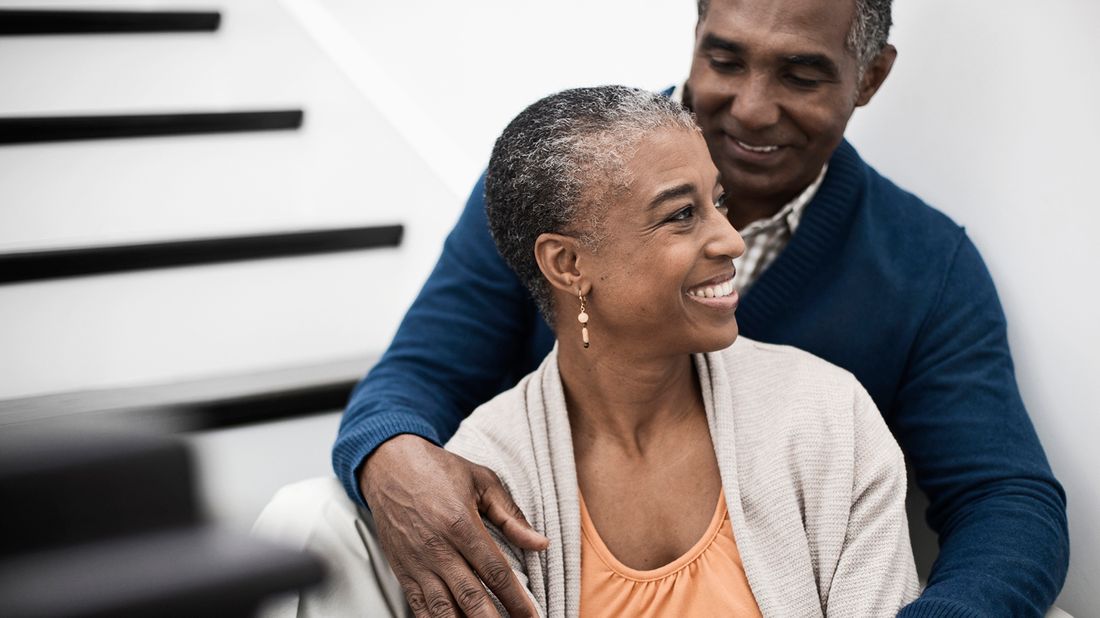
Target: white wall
pixel 991 115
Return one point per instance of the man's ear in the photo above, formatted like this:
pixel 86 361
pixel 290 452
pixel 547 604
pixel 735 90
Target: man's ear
pixel 876 74
pixel 558 259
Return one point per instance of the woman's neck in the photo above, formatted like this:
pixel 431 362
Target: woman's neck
pixel 626 398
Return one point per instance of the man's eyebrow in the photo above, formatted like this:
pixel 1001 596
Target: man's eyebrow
pixel 814 61
pixel 672 193
pixel 820 62
pixel 712 41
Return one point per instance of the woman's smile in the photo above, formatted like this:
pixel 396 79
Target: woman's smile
pixel 718 293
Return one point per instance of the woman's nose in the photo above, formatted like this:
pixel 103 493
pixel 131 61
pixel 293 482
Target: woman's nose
pixel 725 240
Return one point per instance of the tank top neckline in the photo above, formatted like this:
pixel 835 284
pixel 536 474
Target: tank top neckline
pixel 588 529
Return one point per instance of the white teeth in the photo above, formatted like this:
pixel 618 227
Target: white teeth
pixel 713 291
pixel 760 149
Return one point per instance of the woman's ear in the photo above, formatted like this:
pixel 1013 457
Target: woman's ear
pixel 559 260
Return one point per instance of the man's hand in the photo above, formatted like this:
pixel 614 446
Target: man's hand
pixel 426 504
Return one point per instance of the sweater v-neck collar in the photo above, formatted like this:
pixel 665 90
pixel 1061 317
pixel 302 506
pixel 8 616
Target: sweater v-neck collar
pixel 819 235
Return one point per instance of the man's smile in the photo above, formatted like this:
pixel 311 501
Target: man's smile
pixel 756 152
pixel 761 149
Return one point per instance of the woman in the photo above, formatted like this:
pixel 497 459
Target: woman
pixel 676 469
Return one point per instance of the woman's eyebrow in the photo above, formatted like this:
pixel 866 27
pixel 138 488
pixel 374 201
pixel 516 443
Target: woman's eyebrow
pixel 672 193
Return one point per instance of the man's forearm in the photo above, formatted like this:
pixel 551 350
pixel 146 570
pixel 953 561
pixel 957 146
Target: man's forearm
pixel 361 433
pixel 457 346
pixel 993 499
pixel 1006 554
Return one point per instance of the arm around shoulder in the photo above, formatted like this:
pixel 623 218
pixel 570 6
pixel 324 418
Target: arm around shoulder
pixel 469 443
pixel 448 356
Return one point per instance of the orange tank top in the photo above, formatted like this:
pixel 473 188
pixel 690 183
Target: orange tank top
pixel 709 580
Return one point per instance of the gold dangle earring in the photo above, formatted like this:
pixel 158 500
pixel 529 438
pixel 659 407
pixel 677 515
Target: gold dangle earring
pixel 583 319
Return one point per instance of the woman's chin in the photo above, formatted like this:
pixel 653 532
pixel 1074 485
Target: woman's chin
pixel 719 340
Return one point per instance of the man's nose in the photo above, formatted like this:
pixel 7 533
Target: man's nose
pixel 753 106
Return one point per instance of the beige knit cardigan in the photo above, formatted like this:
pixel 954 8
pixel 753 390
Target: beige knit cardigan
pixel 814 482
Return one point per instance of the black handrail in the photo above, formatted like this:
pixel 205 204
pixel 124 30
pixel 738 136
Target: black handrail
pixel 21 22
pixel 194 405
pixel 54 264
pixel 31 129
pixel 274 405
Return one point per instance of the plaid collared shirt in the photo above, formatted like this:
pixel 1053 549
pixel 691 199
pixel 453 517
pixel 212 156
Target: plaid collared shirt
pixel 765 239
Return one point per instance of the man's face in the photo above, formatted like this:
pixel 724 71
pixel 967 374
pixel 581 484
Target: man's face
pixel 772 86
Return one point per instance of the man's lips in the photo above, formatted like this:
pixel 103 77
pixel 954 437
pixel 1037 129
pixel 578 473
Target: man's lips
pixel 759 149
pixel 756 151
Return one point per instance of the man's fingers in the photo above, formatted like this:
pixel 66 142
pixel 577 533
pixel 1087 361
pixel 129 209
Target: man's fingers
pixel 468 592
pixel 414 595
pixel 487 560
pixel 498 507
pixel 433 539
pixel 443 556
pixel 438 602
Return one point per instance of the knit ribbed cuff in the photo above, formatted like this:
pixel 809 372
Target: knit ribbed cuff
pixel 938 608
pixel 355 444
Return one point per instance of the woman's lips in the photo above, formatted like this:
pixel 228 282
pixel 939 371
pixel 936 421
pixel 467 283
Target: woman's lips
pixel 721 303
pixel 717 293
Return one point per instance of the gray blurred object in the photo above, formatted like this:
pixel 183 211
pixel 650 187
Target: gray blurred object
pixel 108 525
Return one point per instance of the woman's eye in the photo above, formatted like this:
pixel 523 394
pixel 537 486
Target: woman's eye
pixel 721 205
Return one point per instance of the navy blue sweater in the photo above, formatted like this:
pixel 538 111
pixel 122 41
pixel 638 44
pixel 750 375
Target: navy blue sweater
pixel 875 281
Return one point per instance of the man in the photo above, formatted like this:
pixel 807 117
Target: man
pixel 840 263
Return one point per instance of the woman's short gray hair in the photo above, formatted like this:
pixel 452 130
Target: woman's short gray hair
pixel 556 164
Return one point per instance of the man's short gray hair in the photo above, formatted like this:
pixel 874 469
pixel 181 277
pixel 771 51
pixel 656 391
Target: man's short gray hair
pixel 868 34
pixel 556 165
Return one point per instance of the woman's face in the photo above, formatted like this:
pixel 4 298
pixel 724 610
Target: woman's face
pixel 662 277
